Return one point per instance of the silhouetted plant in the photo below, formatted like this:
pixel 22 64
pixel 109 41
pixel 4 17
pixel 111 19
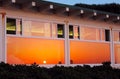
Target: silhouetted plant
pixel 104 71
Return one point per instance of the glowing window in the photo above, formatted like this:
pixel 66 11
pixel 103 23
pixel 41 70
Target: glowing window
pixel 60 30
pixel 11 26
pixel 74 32
pixel 71 31
pixel 14 26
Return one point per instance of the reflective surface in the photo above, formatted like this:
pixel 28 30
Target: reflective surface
pixel 30 50
pixel 89 53
pixel 90 33
pixel 117 53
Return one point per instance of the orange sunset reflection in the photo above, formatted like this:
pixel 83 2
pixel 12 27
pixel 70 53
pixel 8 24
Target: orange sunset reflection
pixel 30 50
pixel 89 52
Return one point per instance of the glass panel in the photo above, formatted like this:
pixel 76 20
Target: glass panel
pixel 36 28
pixel 103 34
pixel 90 33
pixel 54 30
pixel 11 26
pixel 30 50
pixel 76 32
pixel 116 36
pixel 40 29
pixel 117 53
pixel 89 52
pixel 60 30
pixel 19 26
pixel 107 35
pixel 71 31
pixel 27 28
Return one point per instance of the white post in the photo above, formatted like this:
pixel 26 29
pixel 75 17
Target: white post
pixel 67 51
pixel 2 37
pixel 112 48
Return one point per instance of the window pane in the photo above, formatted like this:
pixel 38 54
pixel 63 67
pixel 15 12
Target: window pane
pixel 40 29
pixel 26 28
pixel 35 50
pixel 103 34
pixel 107 35
pixel 116 36
pixel 90 33
pixel 19 26
pixel 60 29
pixel 89 52
pixel 11 26
pixel 76 32
pixel 117 53
pixel 36 28
pixel 71 31
pixel 54 30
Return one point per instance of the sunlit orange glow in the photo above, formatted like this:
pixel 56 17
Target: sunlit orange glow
pixel 117 53
pixel 89 53
pixel 30 50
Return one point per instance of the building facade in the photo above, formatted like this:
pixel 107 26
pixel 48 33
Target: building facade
pixel 46 33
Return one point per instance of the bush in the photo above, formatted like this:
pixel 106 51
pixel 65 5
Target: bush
pixel 33 71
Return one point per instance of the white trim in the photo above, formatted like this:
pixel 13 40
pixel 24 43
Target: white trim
pixel 90 41
pixel 35 37
pixel 5 41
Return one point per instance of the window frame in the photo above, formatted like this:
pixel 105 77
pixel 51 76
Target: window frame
pixel 16 27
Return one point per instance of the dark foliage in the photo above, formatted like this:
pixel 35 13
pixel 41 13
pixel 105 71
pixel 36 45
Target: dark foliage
pixel 33 71
pixel 112 8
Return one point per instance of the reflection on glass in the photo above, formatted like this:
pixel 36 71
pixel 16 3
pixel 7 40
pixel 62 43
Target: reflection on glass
pixel 71 31
pixel 88 33
pixel 60 30
pixel 76 32
pixel 103 35
pixel 11 26
pixel 89 52
pixel 27 28
pixel 40 29
pixel 116 36
pixel 30 50
pixel 54 30
pixel 19 26
pixel 117 53
pixel 36 28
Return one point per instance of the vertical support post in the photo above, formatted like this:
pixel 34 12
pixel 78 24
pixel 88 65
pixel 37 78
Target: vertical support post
pixel 67 46
pixel 2 37
pixel 112 47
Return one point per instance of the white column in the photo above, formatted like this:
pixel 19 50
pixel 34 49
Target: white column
pixel 112 47
pixel 2 37
pixel 67 51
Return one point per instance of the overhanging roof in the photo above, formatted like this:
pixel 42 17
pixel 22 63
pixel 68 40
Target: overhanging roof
pixel 62 9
